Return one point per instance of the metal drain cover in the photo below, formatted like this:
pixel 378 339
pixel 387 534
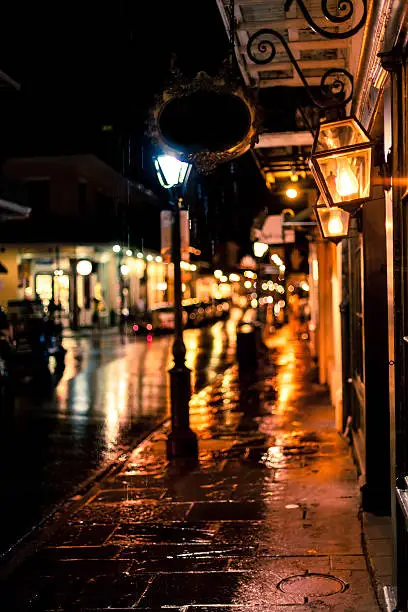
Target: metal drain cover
pixel 312 585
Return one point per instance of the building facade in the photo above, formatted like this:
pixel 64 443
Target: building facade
pixel 359 288
pixel 83 211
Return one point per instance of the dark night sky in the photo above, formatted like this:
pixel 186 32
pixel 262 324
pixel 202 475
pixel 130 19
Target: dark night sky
pixel 85 64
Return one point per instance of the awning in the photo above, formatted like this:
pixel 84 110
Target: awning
pixel 303 215
pixel 7 82
pixel 10 211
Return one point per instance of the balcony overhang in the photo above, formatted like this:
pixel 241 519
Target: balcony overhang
pixel 7 82
pixel 10 211
pixel 314 53
pixel 272 140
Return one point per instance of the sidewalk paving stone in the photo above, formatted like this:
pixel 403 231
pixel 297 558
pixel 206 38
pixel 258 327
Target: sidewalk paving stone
pixel 266 519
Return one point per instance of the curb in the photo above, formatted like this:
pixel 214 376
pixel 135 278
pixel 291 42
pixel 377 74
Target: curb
pixel 375 584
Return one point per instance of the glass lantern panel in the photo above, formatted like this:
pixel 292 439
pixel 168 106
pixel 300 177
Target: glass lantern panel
pixel 338 134
pixel 347 175
pixel 334 221
pixel 171 169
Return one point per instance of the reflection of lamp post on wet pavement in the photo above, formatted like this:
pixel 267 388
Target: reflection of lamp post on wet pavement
pixel 182 441
pixel 260 249
pixel 74 295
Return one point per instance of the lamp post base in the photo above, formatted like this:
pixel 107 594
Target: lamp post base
pixel 182 441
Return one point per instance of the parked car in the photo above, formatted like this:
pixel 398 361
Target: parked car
pixel 161 319
pixel 36 338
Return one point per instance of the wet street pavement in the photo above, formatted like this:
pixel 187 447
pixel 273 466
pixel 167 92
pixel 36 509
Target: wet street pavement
pixel 111 392
pixel 267 519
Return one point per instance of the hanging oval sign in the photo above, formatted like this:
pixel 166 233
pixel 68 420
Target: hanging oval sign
pixel 205 121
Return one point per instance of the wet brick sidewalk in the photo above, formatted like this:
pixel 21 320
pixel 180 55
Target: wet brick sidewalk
pixel 267 519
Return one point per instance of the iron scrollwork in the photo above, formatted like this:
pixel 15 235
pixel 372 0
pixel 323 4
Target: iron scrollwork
pixel 346 12
pixel 334 81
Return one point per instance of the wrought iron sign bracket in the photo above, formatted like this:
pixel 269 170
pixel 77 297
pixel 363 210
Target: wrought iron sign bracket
pixel 343 6
pixel 333 91
pixel 261 50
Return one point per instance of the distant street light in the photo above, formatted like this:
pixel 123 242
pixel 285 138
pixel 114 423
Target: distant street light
pixel 260 249
pixel 291 193
pixel 182 441
pixel 84 267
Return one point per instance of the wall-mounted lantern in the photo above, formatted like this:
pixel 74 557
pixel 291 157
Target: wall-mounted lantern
pixel 341 163
pixel 333 221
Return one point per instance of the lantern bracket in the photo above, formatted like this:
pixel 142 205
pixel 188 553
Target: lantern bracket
pixel 333 83
pixel 384 163
pixel 343 6
pixel 335 80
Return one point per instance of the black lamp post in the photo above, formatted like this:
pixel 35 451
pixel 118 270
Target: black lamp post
pixel 182 441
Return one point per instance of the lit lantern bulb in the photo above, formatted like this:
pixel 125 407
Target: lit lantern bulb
pixel 346 181
pixel 335 226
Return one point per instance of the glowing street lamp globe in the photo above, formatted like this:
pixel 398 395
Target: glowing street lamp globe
pixel 84 267
pixel 260 249
pixel 341 163
pixel 171 171
pixel 291 193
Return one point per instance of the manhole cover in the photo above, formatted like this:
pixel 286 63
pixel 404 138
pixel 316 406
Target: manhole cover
pixel 312 585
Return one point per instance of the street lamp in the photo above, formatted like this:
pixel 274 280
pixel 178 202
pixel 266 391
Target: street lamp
pixel 341 163
pixel 260 249
pixel 84 267
pixel 182 441
pixel 291 193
